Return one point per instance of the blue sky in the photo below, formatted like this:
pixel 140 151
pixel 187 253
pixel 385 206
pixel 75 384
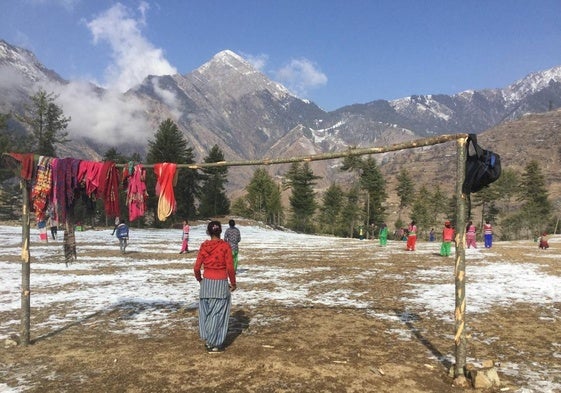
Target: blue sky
pixel 334 53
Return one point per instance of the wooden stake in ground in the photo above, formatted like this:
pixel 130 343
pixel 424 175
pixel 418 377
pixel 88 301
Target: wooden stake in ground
pixel 25 267
pixel 460 265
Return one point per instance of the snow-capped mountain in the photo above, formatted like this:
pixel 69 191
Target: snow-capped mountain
pixel 228 102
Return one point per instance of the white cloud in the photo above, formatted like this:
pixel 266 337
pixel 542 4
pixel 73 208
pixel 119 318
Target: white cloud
pixel 257 61
pixel 134 57
pixel 301 75
pixel 169 98
pixel 105 116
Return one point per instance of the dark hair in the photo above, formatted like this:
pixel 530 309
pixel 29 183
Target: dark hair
pixel 232 223
pixel 214 228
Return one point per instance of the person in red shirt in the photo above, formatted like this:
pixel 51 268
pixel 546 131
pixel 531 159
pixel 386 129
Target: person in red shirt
pixel 412 236
pixel 215 258
pixel 447 236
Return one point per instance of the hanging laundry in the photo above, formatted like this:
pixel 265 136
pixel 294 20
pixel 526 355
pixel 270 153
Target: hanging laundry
pixel 136 193
pixel 42 187
pixel 65 185
pixel 108 189
pixel 27 164
pixel 166 176
pixel 88 176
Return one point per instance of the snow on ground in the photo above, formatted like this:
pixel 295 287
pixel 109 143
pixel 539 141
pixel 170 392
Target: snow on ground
pixel 140 281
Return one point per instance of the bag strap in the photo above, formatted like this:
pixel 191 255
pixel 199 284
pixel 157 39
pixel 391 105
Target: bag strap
pixel 478 149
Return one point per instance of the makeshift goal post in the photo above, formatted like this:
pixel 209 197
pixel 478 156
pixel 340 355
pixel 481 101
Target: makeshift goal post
pixel 461 207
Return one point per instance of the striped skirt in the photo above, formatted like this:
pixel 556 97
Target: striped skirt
pixel 214 311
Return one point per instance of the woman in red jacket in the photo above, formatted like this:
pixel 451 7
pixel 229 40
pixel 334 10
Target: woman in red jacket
pixel 215 257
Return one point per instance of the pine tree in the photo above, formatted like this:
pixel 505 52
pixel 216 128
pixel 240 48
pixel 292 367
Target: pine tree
pixel 421 211
pixel 301 179
pixel 275 213
pixel 405 190
pixel 536 206
pixel 372 181
pixel 507 188
pixel 350 213
pixel 47 122
pixel 170 145
pixel 437 203
pixel 263 199
pixel 330 209
pixel 213 199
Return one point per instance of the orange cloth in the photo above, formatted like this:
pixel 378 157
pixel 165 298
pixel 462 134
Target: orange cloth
pixel 166 179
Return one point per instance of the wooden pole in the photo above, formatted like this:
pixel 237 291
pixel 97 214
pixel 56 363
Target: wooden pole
pixel 25 268
pixel 435 140
pixel 460 266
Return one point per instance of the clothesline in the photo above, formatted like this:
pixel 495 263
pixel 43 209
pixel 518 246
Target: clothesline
pixel 324 156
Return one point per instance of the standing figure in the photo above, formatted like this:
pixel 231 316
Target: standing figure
pixel 431 235
pixel 411 236
pixel 53 225
pixel 383 235
pixel 447 236
pixel 470 235
pixel 488 234
pixel 185 237
pixel 233 237
pixel 544 243
pixel 215 258
pixel 122 233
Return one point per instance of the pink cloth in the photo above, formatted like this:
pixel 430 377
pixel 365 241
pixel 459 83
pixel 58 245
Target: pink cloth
pixel 136 193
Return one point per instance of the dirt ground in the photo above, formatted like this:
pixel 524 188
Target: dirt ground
pixel 306 349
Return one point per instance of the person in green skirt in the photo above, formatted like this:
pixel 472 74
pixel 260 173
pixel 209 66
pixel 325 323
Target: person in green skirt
pixel 383 235
pixel 447 236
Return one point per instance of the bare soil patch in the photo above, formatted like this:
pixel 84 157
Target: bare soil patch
pixel 392 347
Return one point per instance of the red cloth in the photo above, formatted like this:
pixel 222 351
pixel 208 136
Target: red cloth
pixel 27 164
pixel 136 193
pixel 88 174
pixel 108 189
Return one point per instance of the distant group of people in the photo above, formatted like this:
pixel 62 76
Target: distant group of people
pixel 409 235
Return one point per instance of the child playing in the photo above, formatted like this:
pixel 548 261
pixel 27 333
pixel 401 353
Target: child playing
pixel 122 233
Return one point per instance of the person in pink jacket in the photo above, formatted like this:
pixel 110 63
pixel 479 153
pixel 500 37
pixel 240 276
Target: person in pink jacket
pixel 215 258
pixel 185 237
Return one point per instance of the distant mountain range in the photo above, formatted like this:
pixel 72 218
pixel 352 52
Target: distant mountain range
pixel 228 102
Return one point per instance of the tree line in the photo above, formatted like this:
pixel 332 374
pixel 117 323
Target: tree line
pixel 518 203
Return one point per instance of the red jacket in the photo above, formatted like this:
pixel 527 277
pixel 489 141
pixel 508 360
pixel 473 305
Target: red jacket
pixel 215 257
pixel 447 234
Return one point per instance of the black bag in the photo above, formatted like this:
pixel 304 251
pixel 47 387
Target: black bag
pixel 482 168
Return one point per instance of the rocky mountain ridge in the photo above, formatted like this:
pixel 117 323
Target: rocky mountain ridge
pixel 228 102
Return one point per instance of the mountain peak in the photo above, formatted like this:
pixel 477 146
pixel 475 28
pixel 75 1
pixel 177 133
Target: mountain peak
pixel 228 59
pixel 227 55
